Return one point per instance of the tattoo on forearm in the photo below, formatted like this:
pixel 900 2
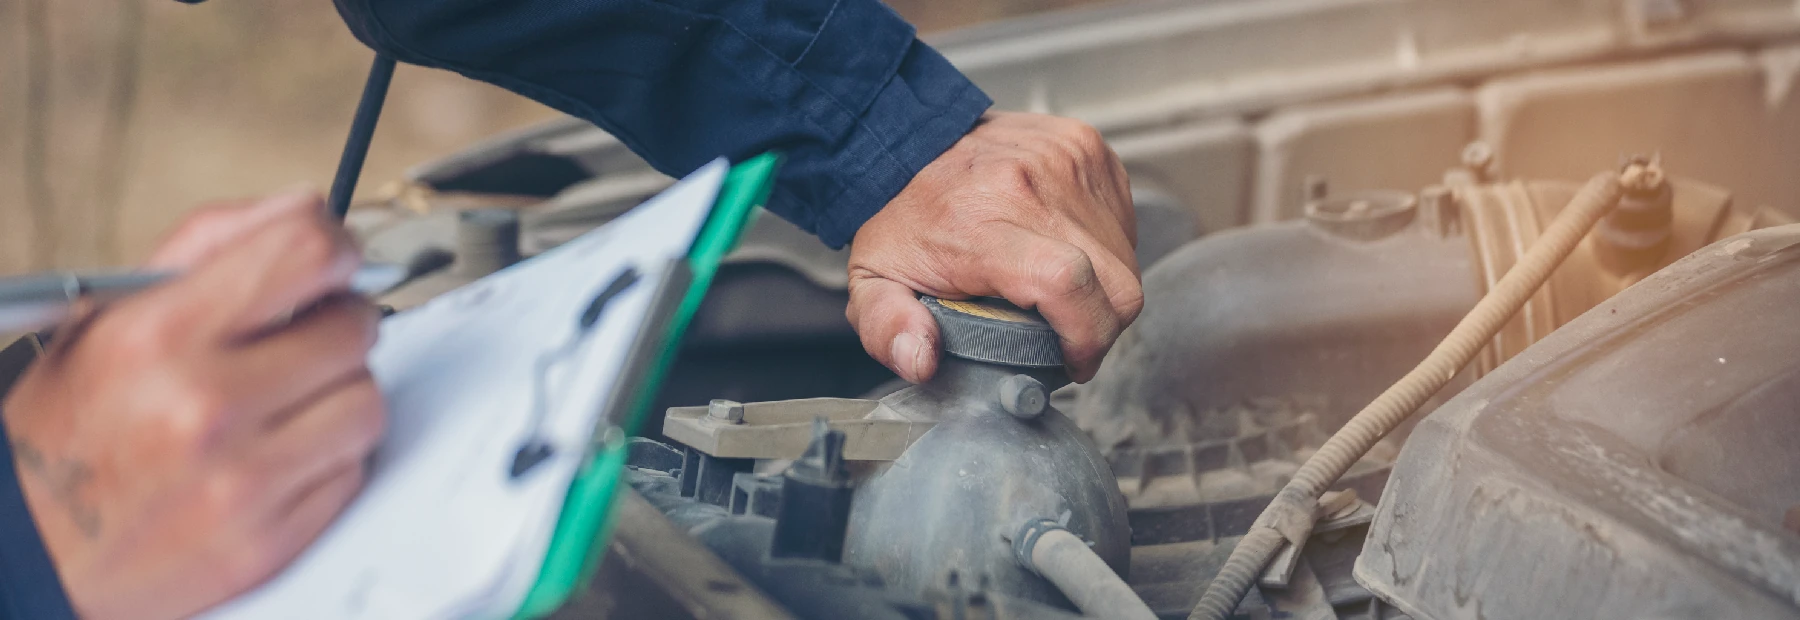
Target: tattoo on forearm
pixel 67 480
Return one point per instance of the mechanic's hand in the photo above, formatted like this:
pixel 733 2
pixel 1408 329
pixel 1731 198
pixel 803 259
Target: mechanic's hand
pixel 180 446
pixel 1032 208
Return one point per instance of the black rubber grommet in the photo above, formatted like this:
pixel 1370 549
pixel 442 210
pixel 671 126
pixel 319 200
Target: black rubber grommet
pixel 1027 538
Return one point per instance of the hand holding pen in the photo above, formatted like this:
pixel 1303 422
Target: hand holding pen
pixel 202 426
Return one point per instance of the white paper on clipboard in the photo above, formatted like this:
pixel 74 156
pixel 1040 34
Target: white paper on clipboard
pixel 441 529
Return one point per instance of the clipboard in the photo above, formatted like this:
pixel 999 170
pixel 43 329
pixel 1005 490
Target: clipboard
pixel 585 523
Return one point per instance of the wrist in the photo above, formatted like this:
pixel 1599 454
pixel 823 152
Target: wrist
pixel 916 116
pixel 30 584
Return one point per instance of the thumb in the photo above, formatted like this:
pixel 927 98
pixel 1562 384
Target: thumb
pixel 894 327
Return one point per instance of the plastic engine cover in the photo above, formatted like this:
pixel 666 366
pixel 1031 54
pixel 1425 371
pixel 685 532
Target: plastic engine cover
pixel 1638 463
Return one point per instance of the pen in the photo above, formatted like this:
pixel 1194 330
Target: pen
pixel 36 301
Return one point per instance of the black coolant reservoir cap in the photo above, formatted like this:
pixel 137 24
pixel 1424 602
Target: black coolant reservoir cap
pixel 987 329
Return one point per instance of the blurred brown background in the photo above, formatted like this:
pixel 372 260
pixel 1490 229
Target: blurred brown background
pixel 116 116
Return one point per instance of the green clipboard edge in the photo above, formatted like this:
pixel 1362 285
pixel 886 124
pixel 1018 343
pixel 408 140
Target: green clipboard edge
pixel 586 521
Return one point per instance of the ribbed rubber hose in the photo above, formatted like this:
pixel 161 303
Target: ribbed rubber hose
pixel 1289 516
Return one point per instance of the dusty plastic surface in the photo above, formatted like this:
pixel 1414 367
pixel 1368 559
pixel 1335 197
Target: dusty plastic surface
pixel 1637 463
pixel 1260 330
pixel 952 500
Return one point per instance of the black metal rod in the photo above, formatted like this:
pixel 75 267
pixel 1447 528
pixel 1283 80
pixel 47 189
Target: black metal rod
pixel 362 132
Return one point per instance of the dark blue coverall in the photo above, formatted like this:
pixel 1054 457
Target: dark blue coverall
pixel 843 87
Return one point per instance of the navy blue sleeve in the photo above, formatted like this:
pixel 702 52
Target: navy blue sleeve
pixel 29 586
pixel 843 87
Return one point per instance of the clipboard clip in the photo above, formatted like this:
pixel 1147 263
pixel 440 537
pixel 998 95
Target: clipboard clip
pixel 535 448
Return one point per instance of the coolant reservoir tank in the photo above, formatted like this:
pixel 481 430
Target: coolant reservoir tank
pixel 998 456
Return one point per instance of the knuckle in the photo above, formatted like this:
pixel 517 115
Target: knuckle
pixel 1087 139
pixel 171 325
pixel 208 220
pixel 1014 181
pixel 314 247
pixel 352 321
pixel 371 428
pixel 188 423
pixel 1130 302
pixel 139 336
pixel 248 562
pixel 1065 271
pixel 151 328
pixel 200 222
pixel 861 319
pixel 226 497
pixel 216 213
pixel 368 422
pixel 368 323
pixel 853 312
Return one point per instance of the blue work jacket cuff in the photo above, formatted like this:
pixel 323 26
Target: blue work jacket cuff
pixel 919 113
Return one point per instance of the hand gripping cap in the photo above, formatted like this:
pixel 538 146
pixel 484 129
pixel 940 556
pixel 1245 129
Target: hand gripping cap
pixel 991 330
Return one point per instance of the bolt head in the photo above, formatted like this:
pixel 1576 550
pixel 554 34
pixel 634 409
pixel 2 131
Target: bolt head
pixel 1023 397
pixel 1316 187
pixel 1478 156
pixel 728 411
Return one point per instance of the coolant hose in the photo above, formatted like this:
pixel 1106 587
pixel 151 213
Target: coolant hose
pixel 1290 516
pixel 1052 551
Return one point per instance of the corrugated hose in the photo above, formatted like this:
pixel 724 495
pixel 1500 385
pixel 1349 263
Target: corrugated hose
pixel 1290 516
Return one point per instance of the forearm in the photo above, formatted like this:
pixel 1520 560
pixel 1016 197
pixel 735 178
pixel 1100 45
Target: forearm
pixel 843 87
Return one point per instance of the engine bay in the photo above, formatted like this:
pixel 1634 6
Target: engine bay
pixel 1255 345
pixel 1618 447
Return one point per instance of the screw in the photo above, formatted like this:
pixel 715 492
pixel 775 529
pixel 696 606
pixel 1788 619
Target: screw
pixel 725 411
pixel 1478 157
pixel 487 240
pixel 1643 175
pixel 1316 187
pixel 1023 397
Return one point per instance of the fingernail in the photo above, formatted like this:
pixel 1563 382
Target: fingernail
pixel 908 351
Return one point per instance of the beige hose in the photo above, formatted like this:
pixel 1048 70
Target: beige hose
pixel 1290 516
pixel 1085 578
